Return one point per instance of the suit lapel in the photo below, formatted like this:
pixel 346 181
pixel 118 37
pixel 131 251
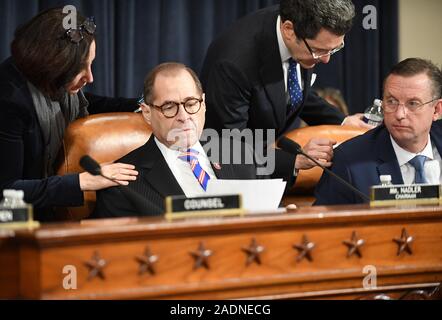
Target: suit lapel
pixel 435 135
pixel 271 72
pixel 223 171
pixel 158 173
pixel 388 160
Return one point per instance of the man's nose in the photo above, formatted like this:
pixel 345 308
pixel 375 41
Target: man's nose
pixel 182 114
pixel 325 59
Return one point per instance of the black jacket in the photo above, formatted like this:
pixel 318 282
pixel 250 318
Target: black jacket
pixel 154 183
pixel 22 146
pixel 243 79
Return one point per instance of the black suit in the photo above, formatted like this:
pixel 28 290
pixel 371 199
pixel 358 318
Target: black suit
pixel 243 79
pixel 22 145
pixel 155 181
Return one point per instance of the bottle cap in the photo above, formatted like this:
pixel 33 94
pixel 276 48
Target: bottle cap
pixel 385 179
pixel 15 194
pixel 377 102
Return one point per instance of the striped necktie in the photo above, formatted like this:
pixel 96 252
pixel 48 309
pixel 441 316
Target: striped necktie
pixel 293 87
pixel 191 156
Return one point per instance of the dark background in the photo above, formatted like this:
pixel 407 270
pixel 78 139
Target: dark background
pixel 135 35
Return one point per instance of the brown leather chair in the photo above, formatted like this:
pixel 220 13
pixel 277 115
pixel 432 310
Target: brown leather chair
pixel 105 137
pixel 307 179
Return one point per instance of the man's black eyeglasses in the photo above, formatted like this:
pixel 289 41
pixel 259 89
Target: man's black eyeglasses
pixel 322 53
pixel 170 108
pixel 76 35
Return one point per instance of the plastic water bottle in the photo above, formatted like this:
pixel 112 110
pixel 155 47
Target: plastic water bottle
pixel 13 208
pixel 373 114
pixel 385 180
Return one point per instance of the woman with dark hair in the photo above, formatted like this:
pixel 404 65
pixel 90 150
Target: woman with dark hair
pixel 40 94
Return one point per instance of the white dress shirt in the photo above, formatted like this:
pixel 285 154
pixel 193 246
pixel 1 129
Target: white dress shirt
pixel 181 169
pixel 432 165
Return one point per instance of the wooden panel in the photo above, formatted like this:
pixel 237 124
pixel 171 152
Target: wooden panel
pixel 49 249
pixel 9 266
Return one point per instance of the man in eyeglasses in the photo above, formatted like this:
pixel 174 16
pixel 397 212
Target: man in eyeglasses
pixel 407 147
pixel 258 74
pixel 173 161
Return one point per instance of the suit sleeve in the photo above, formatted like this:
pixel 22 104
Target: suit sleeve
pixel 329 190
pixel 111 203
pixel 228 97
pixel 52 191
pixel 99 104
pixel 317 111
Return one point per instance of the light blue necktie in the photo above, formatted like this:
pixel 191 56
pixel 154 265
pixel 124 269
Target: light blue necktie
pixel 293 87
pixel 191 156
pixel 418 163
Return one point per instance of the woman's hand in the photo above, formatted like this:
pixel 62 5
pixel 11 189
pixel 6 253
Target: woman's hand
pixel 121 172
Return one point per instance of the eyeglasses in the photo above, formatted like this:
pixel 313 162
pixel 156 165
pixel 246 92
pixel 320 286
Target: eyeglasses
pixel 170 108
pixel 390 105
pixel 322 53
pixel 76 35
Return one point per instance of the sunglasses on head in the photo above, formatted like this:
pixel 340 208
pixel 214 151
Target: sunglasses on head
pixel 76 35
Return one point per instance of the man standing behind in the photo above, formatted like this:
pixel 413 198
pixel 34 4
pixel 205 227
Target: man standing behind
pixel 173 161
pixel 408 147
pixel 258 74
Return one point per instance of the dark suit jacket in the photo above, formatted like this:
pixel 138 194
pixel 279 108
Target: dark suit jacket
pixel 361 161
pixel 22 146
pixel 243 79
pixel 155 181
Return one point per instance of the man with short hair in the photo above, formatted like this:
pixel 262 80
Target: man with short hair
pixel 258 74
pixel 407 147
pixel 173 161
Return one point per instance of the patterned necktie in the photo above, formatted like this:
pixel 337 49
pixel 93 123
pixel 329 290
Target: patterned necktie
pixel 418 163
pixel 293 87
pixel 191 156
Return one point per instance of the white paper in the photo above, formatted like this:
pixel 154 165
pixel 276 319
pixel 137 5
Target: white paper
pixel 257 195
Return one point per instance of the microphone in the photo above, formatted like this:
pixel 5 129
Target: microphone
pixel 137 200
pixel 91 166
pixel 292 147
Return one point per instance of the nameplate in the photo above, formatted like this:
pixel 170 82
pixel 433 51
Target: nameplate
pixel 415 194
pixel 178 207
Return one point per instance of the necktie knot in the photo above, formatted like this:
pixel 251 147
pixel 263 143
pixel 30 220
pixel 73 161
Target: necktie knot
pixel 189 155
pixel 418 163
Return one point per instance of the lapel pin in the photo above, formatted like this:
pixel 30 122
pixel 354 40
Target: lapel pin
pixel 217 166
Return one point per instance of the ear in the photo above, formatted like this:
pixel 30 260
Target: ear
pixel 147 113
pixel 437 110
pixel 288 30
pixel 203 104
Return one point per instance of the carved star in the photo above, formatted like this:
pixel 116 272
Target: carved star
pixel 253 252
pixel 304 249
pixel 146 261
pixel 354 245
pixel 404 243
pixel 96 266
pixel 201 257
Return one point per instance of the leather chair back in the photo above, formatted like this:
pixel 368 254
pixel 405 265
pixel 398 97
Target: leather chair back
pixel 105 137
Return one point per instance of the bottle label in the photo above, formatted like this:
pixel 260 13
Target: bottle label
pixel 13 215
pixel 372 119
